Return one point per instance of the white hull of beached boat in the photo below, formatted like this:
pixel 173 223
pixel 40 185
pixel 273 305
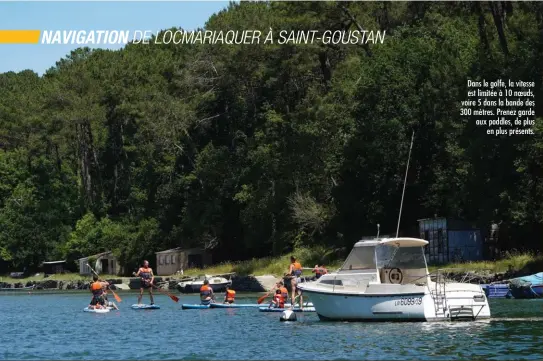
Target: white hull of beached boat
pixel 396 286
pixel 216 283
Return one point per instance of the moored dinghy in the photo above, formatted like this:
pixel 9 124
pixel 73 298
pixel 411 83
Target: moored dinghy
pixel 527 286
pixel 496 290
pixel 388 279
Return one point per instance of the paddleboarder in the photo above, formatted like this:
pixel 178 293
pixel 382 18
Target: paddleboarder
pixel 294 273
pixel 284 291
pixel 97 289
pixel 319 271
pixel 206 294
pixel 278 300
pixel 147 278
pixel 230 295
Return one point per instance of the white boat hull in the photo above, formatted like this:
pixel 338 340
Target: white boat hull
pixel 194 287
pixel 412 306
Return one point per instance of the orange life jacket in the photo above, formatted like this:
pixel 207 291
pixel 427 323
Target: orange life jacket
pixel 96 288
pixel 205 291
pixel 230 295
pixel 145 273
pixel 284 292
pixel 279 300
pixel 297 269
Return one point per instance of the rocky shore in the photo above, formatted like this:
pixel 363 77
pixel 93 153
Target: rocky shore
pixel 239 283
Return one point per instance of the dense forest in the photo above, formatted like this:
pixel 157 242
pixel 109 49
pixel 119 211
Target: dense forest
pixel 253 150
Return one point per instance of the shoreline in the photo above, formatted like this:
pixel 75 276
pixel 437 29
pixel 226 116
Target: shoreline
pixel 239 283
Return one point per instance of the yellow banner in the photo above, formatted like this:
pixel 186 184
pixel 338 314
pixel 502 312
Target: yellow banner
pixel 20 36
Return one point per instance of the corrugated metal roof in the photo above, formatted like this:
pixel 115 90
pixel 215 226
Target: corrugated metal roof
pixel 181 249
pixel 54 262
pixel 170 250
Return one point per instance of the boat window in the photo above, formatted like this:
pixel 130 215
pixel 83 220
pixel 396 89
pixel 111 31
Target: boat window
pixel 408 260
pixel 360 258
pixel 332 282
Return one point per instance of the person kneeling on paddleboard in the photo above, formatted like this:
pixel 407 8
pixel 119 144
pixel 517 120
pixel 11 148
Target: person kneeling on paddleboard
pixel 147 278
pixel 97 290
pixel 206 294
pixel 230 295
pixel 278 300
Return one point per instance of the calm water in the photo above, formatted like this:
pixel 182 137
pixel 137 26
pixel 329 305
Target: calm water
pixel 54 326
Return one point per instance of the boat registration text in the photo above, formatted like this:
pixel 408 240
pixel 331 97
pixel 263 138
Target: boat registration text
pixel 408 301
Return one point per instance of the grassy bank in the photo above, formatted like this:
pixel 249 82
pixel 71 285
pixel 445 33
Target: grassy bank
pixel 277 266
pixel 513 261
pixel 55 277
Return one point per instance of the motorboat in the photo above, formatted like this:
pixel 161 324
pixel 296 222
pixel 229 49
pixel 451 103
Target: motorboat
pixel 527 286
pixel 387 279
pixel 192 285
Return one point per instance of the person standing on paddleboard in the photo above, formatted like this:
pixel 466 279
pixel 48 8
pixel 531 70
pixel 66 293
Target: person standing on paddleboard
pixel 147 278
pixel 295 273
pixel 97 289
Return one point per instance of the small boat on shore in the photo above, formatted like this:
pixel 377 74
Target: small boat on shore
pixel 193 285
pixel 527 286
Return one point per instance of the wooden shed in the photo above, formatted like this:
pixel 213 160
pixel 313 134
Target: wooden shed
pixel 103 263
pixel 175 260
pixel 53 267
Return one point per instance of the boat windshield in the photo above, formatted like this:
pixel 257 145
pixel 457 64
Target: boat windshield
pixel 401 264
pixel 360 258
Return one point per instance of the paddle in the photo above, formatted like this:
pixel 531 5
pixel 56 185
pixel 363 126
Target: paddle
pixel 173 297
pixel 117 298
pixel 261 299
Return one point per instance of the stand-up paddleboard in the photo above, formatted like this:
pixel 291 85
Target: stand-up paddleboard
pixel 145 307
pixel 97 310
pixel 306 304
pixel 234 305
pixel 296 309
pixel 288 305
pixel 186 306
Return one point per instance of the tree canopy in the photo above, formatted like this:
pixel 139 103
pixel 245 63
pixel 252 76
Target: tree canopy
pixel 264 147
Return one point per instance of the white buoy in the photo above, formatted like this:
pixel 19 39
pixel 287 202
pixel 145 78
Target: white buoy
pixel 288 315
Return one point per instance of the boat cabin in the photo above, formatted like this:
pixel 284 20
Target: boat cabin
pixel 389 260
